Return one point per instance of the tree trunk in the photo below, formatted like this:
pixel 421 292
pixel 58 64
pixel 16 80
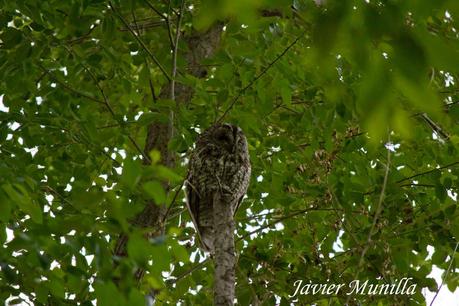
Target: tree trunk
pixel 224 250
pixel 201 45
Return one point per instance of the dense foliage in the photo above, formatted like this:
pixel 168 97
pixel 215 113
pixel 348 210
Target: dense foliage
pixel 350 110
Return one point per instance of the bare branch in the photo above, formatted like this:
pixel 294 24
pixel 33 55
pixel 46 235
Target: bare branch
pixel 186 273
pixel 429 171
pixel 155 10
pixel 168 24
pixel 173 201
pixel 174 70
pixel 142 26
pixel 446 273
pixel 435 127
pixel 150 83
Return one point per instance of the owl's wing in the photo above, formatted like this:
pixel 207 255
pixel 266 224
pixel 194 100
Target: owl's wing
pixel 245 185
pixel 195 205
pixel 192 201
pixel 238 203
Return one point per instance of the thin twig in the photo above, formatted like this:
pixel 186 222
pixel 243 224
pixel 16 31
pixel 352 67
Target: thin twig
pixel 155 10
pixel 126 24
pixel 176 214
pixel 173 201
pixel 446 274
pixel 427 172
pixel 378 208
pixel 150 83
pixel 348 231
pixel 85 36
pixel 143 26
pixel 117 124
pixel 109 107
pixel 63 84
pixel 168 25
pixel 417 185
pixel 136 145
pixel 186 273
pixel 375 218
pixel 275 222
pixel 174 71
pixel 434 126
pixel 263 215
pixel 233 102
pixel 174 55
pixel 134 20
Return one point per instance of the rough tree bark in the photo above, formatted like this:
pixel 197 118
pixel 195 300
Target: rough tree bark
pixel 224 250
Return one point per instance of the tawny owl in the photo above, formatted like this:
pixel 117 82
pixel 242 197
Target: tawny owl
pixel 219 162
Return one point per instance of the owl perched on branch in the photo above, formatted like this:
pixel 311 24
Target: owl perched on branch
pixel 219 162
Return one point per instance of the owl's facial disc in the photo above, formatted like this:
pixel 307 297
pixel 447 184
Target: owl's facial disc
pixel 224 136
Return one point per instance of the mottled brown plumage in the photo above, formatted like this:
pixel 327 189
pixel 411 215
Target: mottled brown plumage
pixel 220 161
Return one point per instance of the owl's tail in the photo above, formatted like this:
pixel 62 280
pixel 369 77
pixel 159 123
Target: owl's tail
pixel 205 225
pixel 207 238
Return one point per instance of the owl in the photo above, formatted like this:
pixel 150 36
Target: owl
pixel 219 162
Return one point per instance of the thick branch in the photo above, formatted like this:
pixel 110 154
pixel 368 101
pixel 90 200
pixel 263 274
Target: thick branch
pixel 224 251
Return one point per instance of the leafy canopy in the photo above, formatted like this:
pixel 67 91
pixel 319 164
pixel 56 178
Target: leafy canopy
pixel 350 109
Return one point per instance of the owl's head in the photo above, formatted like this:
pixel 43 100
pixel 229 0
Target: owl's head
pixel 230 137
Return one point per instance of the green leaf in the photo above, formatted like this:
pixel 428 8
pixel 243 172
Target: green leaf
pixel 138 248
pixel 108 27
pixel 155 156
pixel 440 192
pixel 19 194
pixel 317 115
pixel 136 297
pixel 5 207
pixel 11 37
pixel 161 259
pixel 167 174
pixel 132 172
pixel 286 92
pixel 155 191
pixel 56 287
pixel 151 117
pixel 42 293
pixel 4 19
pixel 2 233
pixel 107 294
pixel 180 252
